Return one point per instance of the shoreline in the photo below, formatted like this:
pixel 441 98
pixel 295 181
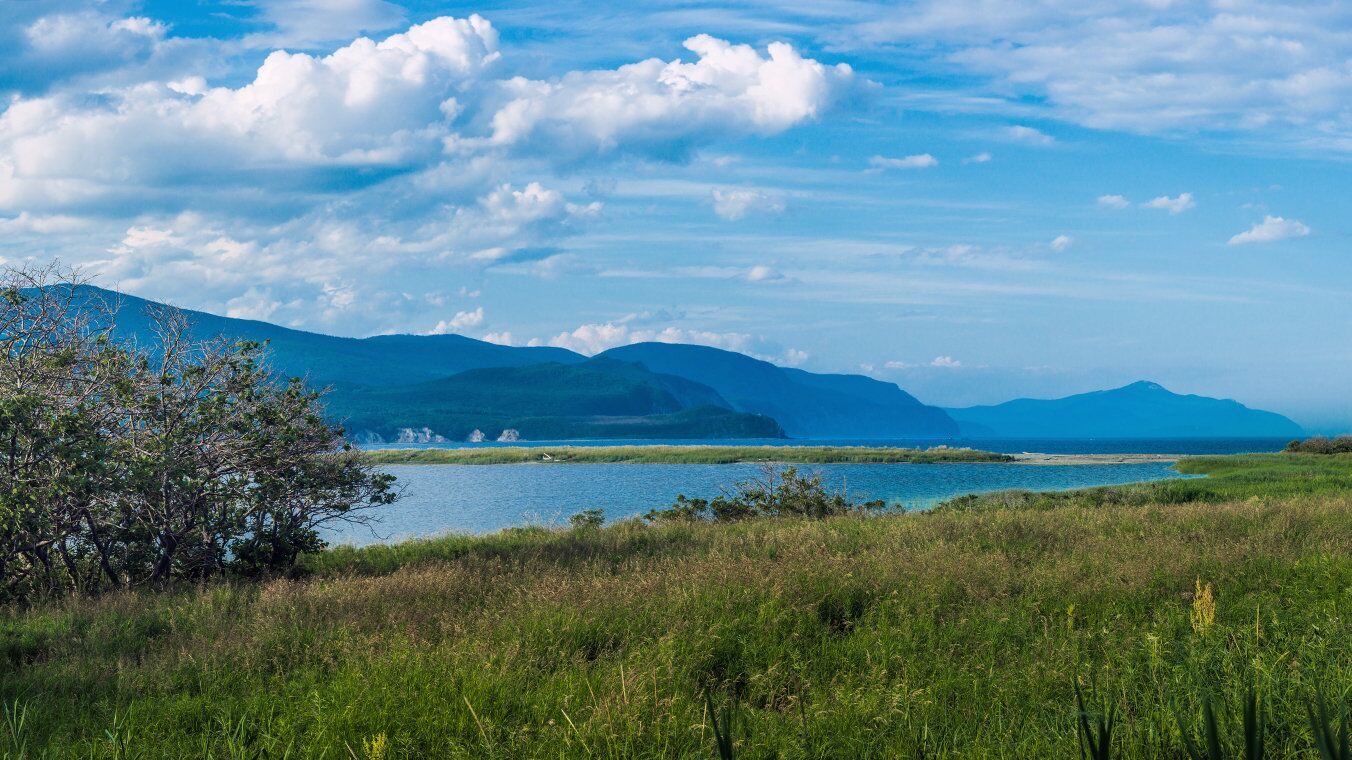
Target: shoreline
pixel 714 454
pixel 1031 458
pixel 684 454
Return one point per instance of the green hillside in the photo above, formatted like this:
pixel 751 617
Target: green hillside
pixel 807 404
pixel 600 398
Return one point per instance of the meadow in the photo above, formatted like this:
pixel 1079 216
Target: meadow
pixel 962 632
pixel 700 454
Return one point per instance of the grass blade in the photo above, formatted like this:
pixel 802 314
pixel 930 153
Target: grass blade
pixel 1329 745
pixel 1255 726
pixel 722 726
pixel 1095 741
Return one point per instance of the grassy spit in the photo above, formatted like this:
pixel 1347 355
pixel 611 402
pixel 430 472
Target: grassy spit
pixel 960 632
pixel 683 455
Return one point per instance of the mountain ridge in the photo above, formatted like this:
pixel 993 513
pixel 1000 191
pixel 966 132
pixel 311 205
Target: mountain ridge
pixel 1141 409
pixel 806 404
pixel 705 391
pixel 396 359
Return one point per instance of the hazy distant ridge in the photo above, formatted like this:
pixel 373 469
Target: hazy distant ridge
pixel 1139 410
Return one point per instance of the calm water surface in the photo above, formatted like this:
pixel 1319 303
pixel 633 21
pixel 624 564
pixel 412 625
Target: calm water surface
pixel 484 498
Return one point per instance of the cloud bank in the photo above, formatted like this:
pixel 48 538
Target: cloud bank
pixel 1155 67
pixel 324 188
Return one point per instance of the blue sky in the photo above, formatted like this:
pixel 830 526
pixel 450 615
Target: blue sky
pixel 977 200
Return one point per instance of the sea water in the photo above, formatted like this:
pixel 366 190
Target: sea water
pixel 440 499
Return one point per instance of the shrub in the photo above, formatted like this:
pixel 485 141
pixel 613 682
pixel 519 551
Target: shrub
pixel 1322 445
pixel 777 493
pixel 588 519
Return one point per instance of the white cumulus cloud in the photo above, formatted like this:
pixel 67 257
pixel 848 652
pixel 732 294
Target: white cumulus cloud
pixel 1176 205
pixel 420 98
pixel 1062 242
pixel 460 322
pixel 591 339
pixel 366 104
pixel 664 106
pixel 1270 230
pixel 339 187
pixel 329 268
pixel 1114 201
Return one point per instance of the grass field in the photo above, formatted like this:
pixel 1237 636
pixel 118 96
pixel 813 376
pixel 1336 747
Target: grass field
pixel 960 632
pixel 1265 476
pixel 683 455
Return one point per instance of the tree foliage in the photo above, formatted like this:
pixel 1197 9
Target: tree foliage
pixel 125 465
pixel 1322 445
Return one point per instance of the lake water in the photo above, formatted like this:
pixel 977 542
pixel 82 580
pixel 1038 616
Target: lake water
pixel 484 498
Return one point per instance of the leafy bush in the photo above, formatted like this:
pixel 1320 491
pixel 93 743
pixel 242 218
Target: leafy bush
pixel 588 519
pixel 777 493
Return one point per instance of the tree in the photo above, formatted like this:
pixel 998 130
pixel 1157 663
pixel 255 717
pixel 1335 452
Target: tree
pixel 230 468
pixel 141 465
pixel 58 372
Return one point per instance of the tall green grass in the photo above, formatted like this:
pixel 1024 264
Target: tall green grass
pixel 965 632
